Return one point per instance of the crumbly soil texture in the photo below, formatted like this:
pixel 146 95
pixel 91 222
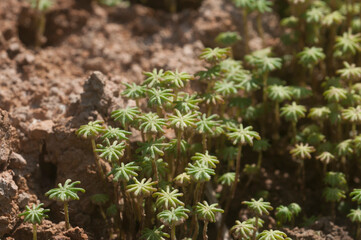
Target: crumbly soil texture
pixel 76 76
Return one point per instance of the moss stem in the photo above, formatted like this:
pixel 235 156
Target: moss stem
pixel 34 232
pixel 97 160
pixel 66 212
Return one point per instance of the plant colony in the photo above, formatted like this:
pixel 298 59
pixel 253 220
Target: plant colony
pixel 193 141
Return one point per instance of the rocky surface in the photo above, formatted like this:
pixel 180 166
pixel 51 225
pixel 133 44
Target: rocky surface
pixel 46 94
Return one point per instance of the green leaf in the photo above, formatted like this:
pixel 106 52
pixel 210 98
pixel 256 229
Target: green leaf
pixel 34 215
pixel 205 159
pixel 355 215
pixel 90 130
pixel 134 91
pixel 199 172
pixel 111 152
pixel 227 39
pixel 168 198
pixel 258 207
pixel 227 178
pixel 65 193
pixel 154 78
pixel 124 172
pixel 151 123
pixel 207 212
pixel 154 234
pixel 215 54
pixel 174 216
pixel 242 135
pixel 143 188
pixel 302 151
pixel 125 116
pixel 293 112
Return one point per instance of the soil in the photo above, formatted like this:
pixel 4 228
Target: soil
pixel 47 93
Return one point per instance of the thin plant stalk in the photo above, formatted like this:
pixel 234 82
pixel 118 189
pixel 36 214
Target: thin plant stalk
pixel 353 130
pixel 155 169
pixel 264 98
pixel 276 135
pixel 260 27
pixel 245 33
pixel 256 230
pixel 179 141
pixel 209 111
pixel 294 131
pixel 238 171
pixel 196 227
pixel 35 232
pixel 204 142
pixel 259 162
pixel 142 212
pixel 205 229
pixel 172 233
pixel 66 212
pixel 264 79
pixel 333 210
pixel 233 192
pixel 197 196
pixel 97 160
pixel 40 25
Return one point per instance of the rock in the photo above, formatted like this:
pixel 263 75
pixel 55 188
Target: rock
pixel 16 161
pixel 76 234
pixel 47 230
pixel 25 59
pixel 9 209
pixel 23 199
pixel 13 49
pixel 99 94
pixel 4 155
pixel 40 129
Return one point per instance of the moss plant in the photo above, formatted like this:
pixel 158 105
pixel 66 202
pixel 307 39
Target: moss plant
pixel 279 94
pixel 260 146
pixel 100 200
pixel 353 115
pixel 273 234
pixel 325 158
pixel 247 6
pixel 292 113
pixel 181 122
pixel 91 131
pixel 335 189
pixel 206 126
pixel 207 213
pixel 228 39
pixel 168 198
pixel 261 7
pixel 194 127
pixel 309 58
pixel 288 213
pixel 355 216
pixel 258 208
pixel 154 234
pixel 65 193
pixel 34 215
pixel 245 229
pixel 173 217
pixel 299 153
pixel 40 6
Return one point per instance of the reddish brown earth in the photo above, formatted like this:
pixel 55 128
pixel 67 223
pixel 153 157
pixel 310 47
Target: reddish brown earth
pixel 45 94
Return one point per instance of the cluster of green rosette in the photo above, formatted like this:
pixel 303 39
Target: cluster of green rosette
pixel 163 177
